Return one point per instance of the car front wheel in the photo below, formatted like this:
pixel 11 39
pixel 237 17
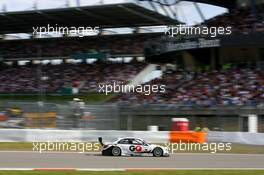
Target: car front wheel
pixel 157 152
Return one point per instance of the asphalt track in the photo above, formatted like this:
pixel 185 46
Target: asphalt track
pixel 94 160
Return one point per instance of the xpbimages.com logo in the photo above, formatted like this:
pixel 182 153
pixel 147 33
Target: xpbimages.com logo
pixel 145 89
pixel 213 32
pixel 80 147
pixel 86 147
pixel 81 31
pixel 198 147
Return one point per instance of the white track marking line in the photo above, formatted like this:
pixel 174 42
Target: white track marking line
pixel 174 169
pixel 62 169
pixel 49 152
pixel 122 169
pixel 194 154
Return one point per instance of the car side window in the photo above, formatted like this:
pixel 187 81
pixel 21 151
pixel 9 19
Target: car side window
pixel 123 141
pixel 137 142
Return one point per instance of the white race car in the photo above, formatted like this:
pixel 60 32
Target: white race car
pixel 130 146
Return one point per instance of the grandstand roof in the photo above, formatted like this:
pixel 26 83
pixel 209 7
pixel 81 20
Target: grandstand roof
pixel 222 3
pixel 104 16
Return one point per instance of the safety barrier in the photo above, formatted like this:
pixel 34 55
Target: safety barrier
pixel 236 137
pixel 187 136
pixel 43 135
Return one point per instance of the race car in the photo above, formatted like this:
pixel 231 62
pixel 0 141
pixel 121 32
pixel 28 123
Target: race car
pixel 130 146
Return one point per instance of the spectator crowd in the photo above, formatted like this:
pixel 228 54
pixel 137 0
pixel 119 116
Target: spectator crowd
pixel 232 86
pixel 242 20
pixel 64 47
pixel 50 78
pixel 237 87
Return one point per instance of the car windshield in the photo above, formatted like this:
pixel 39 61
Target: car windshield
pixel 114 140
pixel 145 142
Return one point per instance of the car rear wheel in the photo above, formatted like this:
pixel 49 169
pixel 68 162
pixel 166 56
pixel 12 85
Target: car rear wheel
pixel 157 152
pixel 116 151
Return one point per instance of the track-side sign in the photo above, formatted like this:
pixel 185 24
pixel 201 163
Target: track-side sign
pixel 199 43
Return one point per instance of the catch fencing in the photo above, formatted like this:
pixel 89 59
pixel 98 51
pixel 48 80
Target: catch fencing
pixel 61 116
pixel 125 116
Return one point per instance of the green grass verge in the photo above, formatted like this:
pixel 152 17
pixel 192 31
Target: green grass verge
pixel 15 146
pixel 87 97
pixel 236 148
pixel 180 172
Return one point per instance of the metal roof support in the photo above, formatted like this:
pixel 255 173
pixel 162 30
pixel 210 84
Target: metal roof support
pixel 51 17
pixel 153 6
pixel 199 11
pixel 177 14
pixel 21 22
pixel 4 8
pixel 183 14
pixel 67 3
pixel 94 15
pixel 11 18
pixel 164 9
pixel 78 3
pixel 139 14
pixel 173 12
pixel 35 5
pixel 165 6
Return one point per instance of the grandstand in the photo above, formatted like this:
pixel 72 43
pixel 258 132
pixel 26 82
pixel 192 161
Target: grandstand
pixel 207 77
pixel 213 75
pixel 18 79
pixel 242 20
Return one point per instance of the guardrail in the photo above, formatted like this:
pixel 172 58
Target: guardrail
pixel 237 137
pixel 44 135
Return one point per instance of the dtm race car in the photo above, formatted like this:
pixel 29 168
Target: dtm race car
pixel 132 147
